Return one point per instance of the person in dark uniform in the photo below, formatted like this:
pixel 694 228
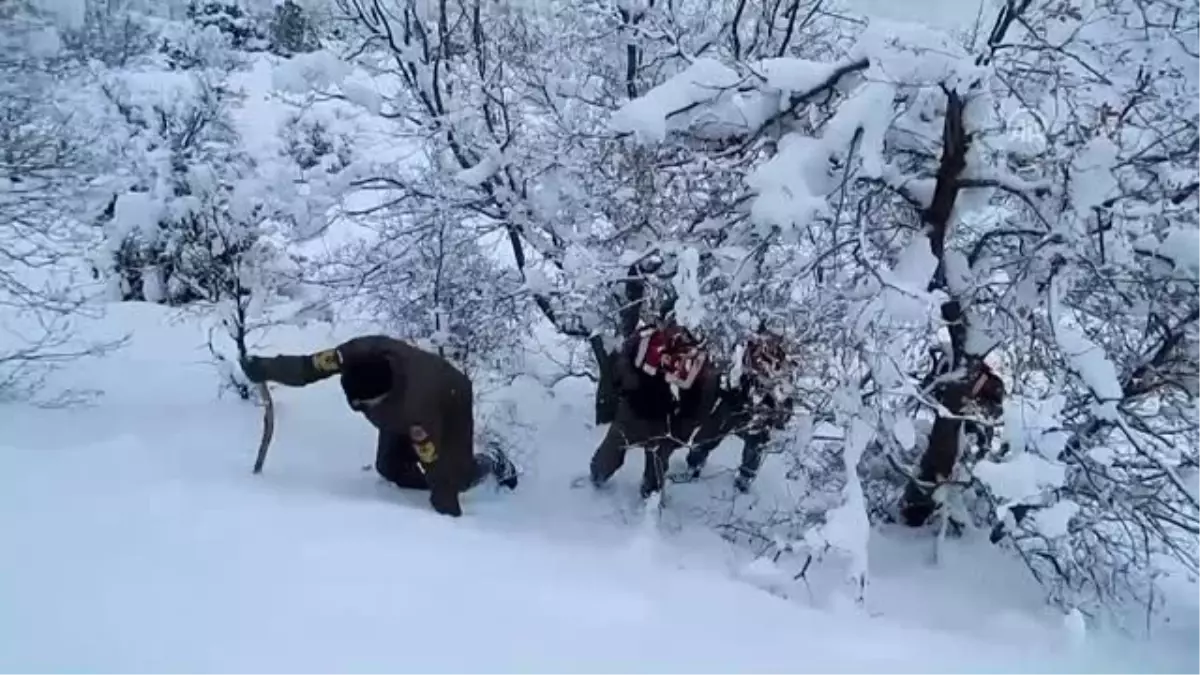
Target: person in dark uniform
pixel 751 403
pixel 421 404
pixel 663 382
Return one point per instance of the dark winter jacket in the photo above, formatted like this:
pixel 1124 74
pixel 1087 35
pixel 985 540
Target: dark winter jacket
pixel 649 396
pixel 754 407
pixel 607 388
pixel 428 394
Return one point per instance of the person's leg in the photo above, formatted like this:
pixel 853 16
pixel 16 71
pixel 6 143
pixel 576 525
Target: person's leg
pixel 484 466
pixel 449 460
pixel 713 429
pixel 606 390
pixel 396 462
pixel 753 447
pixel 659 445
pixel 698 422
pixel 626 430
pixel 658 459
pixel 494 462
pixel 609 455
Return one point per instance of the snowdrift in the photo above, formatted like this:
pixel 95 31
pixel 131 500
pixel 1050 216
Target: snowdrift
pixel 137 540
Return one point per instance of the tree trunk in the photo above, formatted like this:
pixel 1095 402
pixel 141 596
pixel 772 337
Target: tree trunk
pixel 942 452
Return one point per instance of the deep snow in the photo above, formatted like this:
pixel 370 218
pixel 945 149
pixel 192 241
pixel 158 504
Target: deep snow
pixel 136 539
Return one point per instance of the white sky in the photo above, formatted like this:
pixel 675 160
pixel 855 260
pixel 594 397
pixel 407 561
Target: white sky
pixel 935 13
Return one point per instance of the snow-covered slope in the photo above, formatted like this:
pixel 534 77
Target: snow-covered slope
pixel 130 561
pixel 136 539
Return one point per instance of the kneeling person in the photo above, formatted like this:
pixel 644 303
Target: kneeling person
pixel 421 404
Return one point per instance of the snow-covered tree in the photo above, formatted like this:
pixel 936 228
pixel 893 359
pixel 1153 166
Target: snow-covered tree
pixel 885 183
pixel 432 281
pixel 292 30
pixel 46 163
pixel 113 32
pixel 1094 285
pixel 962 237
pixel 511 103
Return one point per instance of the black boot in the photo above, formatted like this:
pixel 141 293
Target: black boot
pixel 649 488
pixel 503 468
pixel 742 481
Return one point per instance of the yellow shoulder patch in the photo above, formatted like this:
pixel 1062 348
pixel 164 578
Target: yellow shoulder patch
pixel 327 361
pixel 426 452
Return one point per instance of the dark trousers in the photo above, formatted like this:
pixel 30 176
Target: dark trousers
pixel 729 417
pixel 658 438
pixel 396 461
pixel 627 429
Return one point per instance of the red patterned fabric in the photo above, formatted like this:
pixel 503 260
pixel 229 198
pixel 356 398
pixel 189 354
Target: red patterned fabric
pixel 677 359
pixel 650 351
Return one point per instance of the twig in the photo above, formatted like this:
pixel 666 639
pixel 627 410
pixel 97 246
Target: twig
pixel 268 430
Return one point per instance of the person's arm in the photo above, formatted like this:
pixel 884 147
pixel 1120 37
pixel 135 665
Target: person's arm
pixel 293 370
pixel 623 366
pixel 429 444
pixel 298 370
pixel 691 370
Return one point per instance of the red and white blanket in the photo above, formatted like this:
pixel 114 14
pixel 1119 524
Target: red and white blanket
pixel 679 367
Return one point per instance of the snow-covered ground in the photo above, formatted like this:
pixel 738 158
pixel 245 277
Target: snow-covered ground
pixel 136 539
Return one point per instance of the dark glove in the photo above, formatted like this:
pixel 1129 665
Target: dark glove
pixel 254 367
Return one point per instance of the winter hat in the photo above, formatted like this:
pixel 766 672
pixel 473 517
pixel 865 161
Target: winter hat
pixel 366 378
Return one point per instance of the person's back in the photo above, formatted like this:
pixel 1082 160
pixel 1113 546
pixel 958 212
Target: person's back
pixel 648 394
pixel 421 382
pixel 658 370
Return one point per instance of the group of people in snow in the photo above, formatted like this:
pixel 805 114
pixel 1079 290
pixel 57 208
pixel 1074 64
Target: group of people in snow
pixel 669 391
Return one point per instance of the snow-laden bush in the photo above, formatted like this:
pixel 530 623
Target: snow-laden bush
pixel 48 158
pixel 314 144
pixel 190 45
pixel 1038 274
pixel 1093 280
pixel 235 19
pixel 292 30
pixel 179 221
pixel 113 32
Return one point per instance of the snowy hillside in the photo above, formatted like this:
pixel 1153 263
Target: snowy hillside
pixel 978 257
pixel 139 541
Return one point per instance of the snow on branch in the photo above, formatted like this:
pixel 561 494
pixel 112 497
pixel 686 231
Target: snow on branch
pixel 713 101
